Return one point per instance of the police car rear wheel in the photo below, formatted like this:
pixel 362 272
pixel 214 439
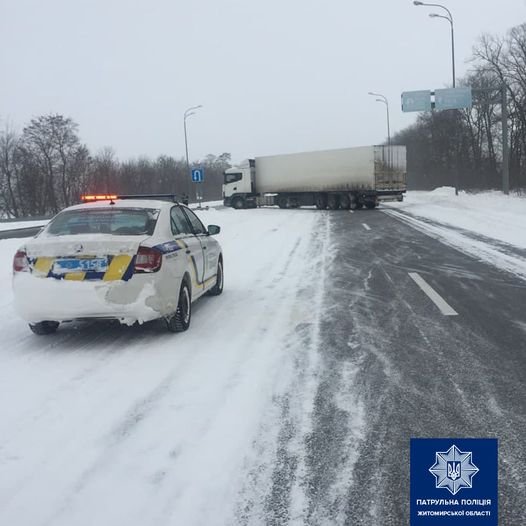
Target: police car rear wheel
pixel 44 327
pixel 180 320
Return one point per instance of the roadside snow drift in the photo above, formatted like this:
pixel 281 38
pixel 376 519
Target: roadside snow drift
pixel 488 225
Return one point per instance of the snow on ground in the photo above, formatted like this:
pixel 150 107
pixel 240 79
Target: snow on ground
pixel 488 225
pixel 105 424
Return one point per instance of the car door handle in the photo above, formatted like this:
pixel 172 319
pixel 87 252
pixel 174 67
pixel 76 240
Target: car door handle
pixel 188 251
pixel 204 248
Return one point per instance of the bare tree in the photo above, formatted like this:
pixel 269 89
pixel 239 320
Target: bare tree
pixel 8 172
pixel 54 147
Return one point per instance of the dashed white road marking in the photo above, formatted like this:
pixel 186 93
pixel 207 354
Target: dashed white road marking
pixel 351 211
pixel 366 226
pixel 433 295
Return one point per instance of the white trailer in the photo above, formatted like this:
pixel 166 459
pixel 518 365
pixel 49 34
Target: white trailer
pixel 344 178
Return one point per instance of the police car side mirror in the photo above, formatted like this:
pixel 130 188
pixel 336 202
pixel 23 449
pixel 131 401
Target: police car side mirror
pixel 213 230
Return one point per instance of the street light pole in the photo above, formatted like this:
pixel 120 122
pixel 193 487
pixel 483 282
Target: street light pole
pixel 383 99
pixel 188 113
pixel 449 18
pixel 505 146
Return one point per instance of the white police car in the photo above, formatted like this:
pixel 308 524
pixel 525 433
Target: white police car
pixel 131 258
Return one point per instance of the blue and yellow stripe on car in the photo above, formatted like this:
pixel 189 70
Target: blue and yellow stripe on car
pixel 120 267
pixel 178 244
pixel 172 246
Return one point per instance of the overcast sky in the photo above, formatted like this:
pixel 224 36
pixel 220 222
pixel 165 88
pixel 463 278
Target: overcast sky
pixel 273 76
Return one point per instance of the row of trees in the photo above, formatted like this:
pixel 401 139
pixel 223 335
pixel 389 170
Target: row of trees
pixel 466 145
pixel 46 168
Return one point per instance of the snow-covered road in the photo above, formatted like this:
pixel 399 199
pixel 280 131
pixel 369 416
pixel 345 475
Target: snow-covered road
pixel 292 398
pixel 103 424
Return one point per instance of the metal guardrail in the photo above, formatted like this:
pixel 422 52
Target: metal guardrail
pixel 20 232
pixel 22 219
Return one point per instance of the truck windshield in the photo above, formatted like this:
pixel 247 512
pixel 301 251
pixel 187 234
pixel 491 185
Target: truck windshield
pixel 116 221
pixel 232 178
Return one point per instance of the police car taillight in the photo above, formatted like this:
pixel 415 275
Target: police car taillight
pixel 148 260
pixel 20 262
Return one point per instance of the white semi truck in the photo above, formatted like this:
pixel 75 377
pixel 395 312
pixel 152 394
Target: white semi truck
pixel 348 178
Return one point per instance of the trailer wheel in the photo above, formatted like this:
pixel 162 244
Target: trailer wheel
pixel 321 201
pixel 370 204
pixel 238 203
pixel 359 205
pixel 345 201
pixel 333 202
pixel 282 201
pixel 44 327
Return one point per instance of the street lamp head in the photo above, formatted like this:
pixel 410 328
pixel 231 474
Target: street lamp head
pixel 416 2
pixel 190 111
pixel 434 15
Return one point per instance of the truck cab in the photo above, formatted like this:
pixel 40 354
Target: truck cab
pixel 239 185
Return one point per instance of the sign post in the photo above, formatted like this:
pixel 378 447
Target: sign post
pixel 198 175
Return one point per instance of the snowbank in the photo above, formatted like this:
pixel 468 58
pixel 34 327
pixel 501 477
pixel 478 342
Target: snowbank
pixel 490 214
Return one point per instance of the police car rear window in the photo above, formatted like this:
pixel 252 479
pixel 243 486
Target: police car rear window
pixel 116 221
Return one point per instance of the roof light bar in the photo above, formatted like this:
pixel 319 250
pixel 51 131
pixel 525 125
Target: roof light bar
pixel 105 197
pixel 112 197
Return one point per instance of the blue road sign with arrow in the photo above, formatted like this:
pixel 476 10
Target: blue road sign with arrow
pixel 198 174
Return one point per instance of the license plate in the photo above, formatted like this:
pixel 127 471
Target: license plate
pixel 63 266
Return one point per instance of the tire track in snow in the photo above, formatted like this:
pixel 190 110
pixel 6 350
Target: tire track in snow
pixel 276 491
pixel 272 321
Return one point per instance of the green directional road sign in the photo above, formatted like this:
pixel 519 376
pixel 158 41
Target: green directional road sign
pixel 453 98
pixel 416 100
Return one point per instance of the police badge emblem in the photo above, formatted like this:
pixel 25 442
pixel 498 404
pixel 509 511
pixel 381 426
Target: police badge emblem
pixel 453 469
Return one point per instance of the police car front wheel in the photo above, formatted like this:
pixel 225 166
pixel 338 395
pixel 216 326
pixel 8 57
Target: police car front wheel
pixel 218 287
